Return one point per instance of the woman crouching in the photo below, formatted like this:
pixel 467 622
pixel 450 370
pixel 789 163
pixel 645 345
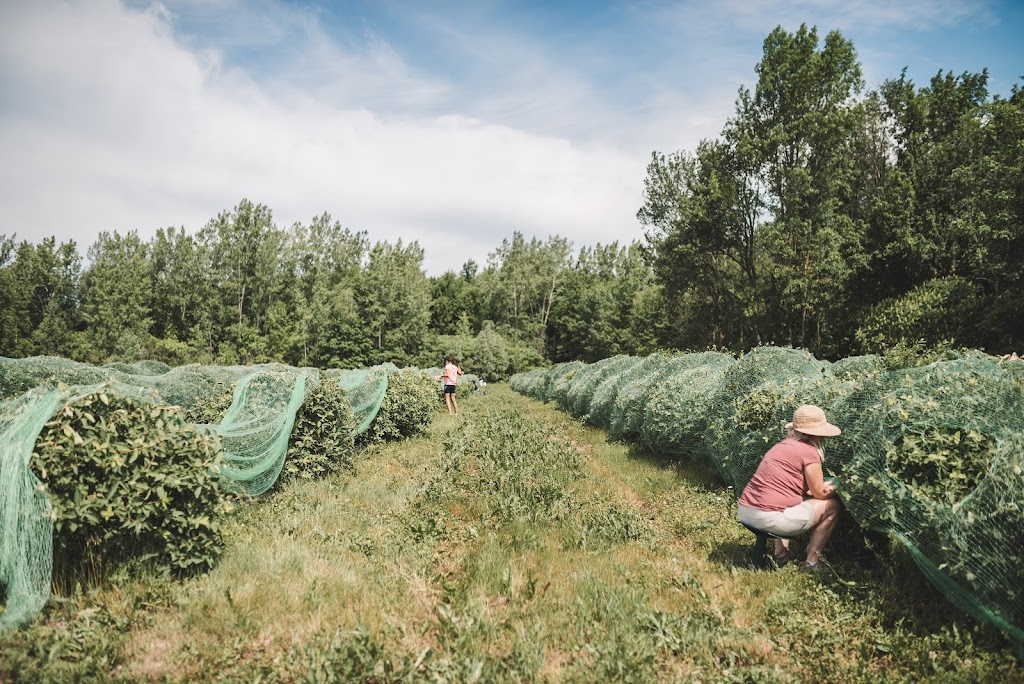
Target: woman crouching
pixel 774 499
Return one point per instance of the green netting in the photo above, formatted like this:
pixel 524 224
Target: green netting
pixel 627 414
pixel 746 416
pixel 365 389
pixel 529 383
pixel 256 427
pixel 932 456
pixel 255 432
pixel 676 416
pixel 607 390
pixel 586 381
pixel 180 386
pixel 140 367
pixel 858 366
pixel 26 529
pixel 556 381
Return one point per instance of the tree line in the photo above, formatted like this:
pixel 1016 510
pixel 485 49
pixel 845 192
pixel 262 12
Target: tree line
pixel 844 222
pixel 243 290
pixel 822 217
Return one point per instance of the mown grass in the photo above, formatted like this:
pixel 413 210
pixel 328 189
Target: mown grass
pixel 509 544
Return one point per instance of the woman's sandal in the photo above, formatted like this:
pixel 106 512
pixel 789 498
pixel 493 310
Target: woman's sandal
pixel 780 561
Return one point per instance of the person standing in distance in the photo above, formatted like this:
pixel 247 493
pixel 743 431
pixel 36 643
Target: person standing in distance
pixel 450 375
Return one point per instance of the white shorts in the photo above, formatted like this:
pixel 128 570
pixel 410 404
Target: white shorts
pixel 791 522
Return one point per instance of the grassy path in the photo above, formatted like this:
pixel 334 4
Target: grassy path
pixel 509 544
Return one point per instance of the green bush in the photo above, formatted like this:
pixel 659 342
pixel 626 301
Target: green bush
pixel 322 440
pixel 411 399
pixel 209 410
pixel 323 437
pixel 942 464
pixel 489 354
pixel 130 480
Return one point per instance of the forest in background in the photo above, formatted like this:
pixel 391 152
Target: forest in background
pixel 823 216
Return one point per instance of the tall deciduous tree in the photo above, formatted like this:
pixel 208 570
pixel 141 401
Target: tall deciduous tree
pixel 117 291
pixel 522 282
pixel 799 123
pixel 393 296
pixel 244 246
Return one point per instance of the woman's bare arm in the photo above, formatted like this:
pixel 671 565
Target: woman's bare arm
pixel 815 481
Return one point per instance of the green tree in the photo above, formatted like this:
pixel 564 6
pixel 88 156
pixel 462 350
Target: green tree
pixel 593 318
pixel 522 282
pixel 393 297
pixel 182 292
pixel 701 214
pixel 489 354
pixel 39 297
pixel 245 249
pixel 117 298
pixel 799 124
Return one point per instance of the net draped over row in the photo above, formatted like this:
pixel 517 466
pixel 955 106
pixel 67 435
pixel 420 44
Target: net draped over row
pixel 254 433
pixel 931 456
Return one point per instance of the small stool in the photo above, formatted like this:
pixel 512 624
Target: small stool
pixel 761 545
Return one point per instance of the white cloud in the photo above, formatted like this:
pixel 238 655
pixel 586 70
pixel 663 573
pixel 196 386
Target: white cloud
pixel 112 124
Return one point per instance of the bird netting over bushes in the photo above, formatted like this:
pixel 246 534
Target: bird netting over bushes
pixel 932 456
pixel 556 380
pixel 605 395
pixel 365 388
pixel 627 414
pixel 530 382
pixel 675 418
pixel 254 433
pixel 586 381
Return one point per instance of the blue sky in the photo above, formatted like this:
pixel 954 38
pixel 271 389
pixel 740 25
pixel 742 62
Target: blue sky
pixel 449 123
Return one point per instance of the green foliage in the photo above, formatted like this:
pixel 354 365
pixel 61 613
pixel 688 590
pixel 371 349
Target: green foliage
pixel 490 357
pixel 84 645
pixel 519 470
pixel 904 354
pixel 209 410
pixel 941 310
pixel 322 439
pixel 129 480
pixel 942 464
pixel 410 401
pixel 929 453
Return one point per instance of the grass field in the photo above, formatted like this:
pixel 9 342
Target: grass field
pixel 510 543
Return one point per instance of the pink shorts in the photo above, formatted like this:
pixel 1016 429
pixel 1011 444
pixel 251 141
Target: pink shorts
pixel 791 522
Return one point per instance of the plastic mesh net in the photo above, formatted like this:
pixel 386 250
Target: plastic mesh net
pixel 676 417
pixel 606 394
pixel 747 415
pixel 26 529
pixel 365 388
pixel 627 414
pixel 254 431
pixel 586 381
pixel 932 456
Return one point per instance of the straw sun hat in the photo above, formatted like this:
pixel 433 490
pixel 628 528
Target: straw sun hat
pixel 810 420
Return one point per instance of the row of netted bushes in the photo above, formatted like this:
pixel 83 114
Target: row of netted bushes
pixel 99 474
pixel 931 455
